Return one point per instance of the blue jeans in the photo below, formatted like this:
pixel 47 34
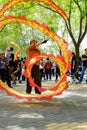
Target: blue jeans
pixel 82 74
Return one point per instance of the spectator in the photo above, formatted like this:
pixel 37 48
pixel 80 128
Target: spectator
pixel 73 64
pixel 7 53
pixel 4 70
pixel 42 69
pixel 48 66
pixel 12 53
pixel 18 72
pixel 53 68
pixel 57 73
pixel 23 69
pixel 84 66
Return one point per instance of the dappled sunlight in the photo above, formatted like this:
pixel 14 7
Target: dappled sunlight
pixel 34 103
pixel 67 126
pixel 16 127
pixel 71 93
pixel 29 115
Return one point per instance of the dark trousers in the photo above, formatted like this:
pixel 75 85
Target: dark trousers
pixel 5 77
pixel 57 72
pixel 48 74
pixel 42 73
pixel 35 73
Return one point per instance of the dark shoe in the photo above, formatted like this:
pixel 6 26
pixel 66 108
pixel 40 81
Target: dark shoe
pixel 19 81
pixel 56 80
pixel 78 83
pixel 11 87
pixel 86 81
pixel 38 93
pixel 14 82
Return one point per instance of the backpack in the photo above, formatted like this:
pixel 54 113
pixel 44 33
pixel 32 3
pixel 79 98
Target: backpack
pixel 48 65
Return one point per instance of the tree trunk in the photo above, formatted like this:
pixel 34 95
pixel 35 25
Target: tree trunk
pixel 77 54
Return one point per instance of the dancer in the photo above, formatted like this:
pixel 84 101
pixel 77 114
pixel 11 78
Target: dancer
pixel 35 73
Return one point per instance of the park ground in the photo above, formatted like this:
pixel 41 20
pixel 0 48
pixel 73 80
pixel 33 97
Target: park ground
pixel 64 112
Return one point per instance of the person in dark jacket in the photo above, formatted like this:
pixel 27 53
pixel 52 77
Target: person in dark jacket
pixel 84 66
pixel 4 70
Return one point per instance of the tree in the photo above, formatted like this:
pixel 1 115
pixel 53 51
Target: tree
pixel 20 33
pixel 76 24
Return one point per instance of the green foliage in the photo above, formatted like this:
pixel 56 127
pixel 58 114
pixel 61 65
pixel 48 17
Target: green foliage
pixel 22 34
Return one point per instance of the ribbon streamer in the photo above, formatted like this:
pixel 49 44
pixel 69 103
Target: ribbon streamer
pixel 62 61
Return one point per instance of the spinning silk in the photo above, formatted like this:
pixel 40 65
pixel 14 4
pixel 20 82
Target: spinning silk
pixel 62 61
pixel 18 49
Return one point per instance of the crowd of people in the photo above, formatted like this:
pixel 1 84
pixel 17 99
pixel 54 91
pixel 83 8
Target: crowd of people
pixel 10 68
pixel 79 72
pixel 12 71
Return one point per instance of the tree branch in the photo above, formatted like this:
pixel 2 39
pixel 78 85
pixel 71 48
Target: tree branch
pixel 68 25
pixel 81 19
pixel 70 33
pixel 2 28
pixel 85 30
pixel 50 9
pixel 69 19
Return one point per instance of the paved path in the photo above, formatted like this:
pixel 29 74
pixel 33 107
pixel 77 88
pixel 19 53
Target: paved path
pixel 65 112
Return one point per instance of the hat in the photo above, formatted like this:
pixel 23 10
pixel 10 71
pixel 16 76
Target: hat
pixel 8 49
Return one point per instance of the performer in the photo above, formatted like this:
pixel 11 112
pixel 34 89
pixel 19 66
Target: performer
pixel 35 73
